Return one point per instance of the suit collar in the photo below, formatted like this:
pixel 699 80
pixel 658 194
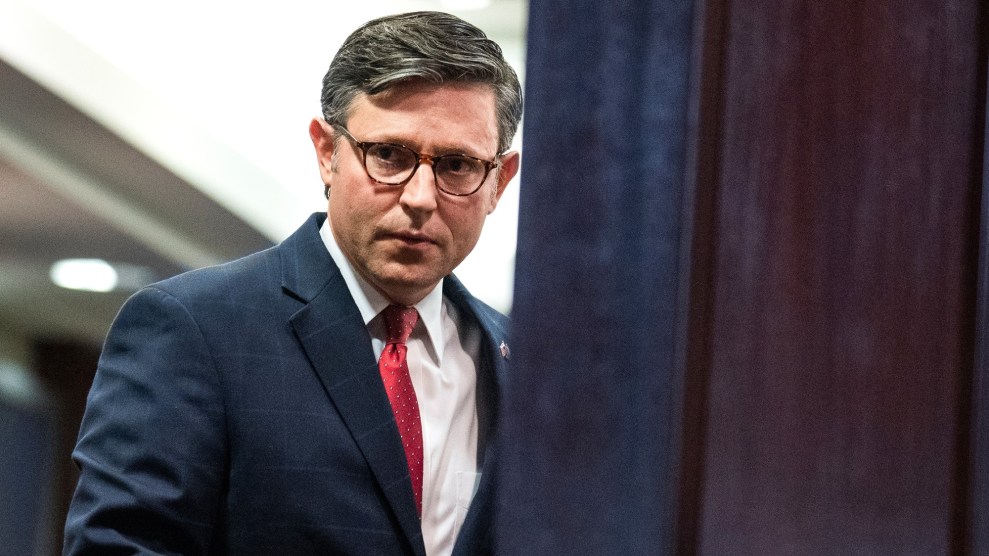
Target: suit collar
pixel 306 266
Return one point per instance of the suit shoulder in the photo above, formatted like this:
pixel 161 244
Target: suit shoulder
pixel 249 273
pixel 262 271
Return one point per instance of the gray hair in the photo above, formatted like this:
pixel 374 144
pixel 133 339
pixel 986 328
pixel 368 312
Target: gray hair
pixel 431 46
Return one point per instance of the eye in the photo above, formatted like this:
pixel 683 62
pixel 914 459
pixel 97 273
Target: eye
pixel 389 155
pixel 459 166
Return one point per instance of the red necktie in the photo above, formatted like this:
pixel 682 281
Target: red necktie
pixel 394 368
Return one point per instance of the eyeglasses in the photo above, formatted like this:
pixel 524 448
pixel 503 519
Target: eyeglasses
pixel 392 164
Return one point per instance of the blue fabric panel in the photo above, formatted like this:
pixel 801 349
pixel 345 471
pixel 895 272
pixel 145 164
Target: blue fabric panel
pixel 589 445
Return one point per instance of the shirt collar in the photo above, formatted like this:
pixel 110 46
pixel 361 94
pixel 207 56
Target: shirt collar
pixel 370 302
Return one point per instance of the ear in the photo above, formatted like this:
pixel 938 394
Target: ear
pixel 506 171
pixel 321 134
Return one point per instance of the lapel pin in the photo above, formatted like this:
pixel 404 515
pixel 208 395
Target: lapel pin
pixel 504 350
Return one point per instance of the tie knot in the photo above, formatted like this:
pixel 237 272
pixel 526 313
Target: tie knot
pixel 399 322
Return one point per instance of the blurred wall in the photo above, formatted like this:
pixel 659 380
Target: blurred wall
pixel 43 386
pixel 27 430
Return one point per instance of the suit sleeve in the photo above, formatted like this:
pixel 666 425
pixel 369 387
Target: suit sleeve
pixel 152 446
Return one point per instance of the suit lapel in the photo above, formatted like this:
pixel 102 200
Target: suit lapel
pixel 476 534
pixel 332 333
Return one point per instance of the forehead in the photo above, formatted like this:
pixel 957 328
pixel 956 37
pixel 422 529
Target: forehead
pixel 427 115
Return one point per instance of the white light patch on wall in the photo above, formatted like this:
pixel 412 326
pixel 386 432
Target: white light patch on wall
pixel 94 275
pixel 19 386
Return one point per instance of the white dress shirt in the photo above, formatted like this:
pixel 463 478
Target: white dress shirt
pixel 442 364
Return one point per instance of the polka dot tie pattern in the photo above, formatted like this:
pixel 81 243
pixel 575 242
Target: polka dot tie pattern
pixel 394 368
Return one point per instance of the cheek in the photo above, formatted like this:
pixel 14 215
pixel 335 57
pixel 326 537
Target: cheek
pixel 466 226
pixel 350 215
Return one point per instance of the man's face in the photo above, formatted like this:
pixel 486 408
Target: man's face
pixel 404 239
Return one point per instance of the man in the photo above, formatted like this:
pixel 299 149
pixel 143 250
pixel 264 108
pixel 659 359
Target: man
pixel 243 409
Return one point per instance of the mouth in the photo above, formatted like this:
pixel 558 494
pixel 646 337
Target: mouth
pixel 411 238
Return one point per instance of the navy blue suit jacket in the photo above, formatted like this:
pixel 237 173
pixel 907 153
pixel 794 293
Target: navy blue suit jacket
pixel 238 410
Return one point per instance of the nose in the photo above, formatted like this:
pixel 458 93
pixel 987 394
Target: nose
pixel 420 192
